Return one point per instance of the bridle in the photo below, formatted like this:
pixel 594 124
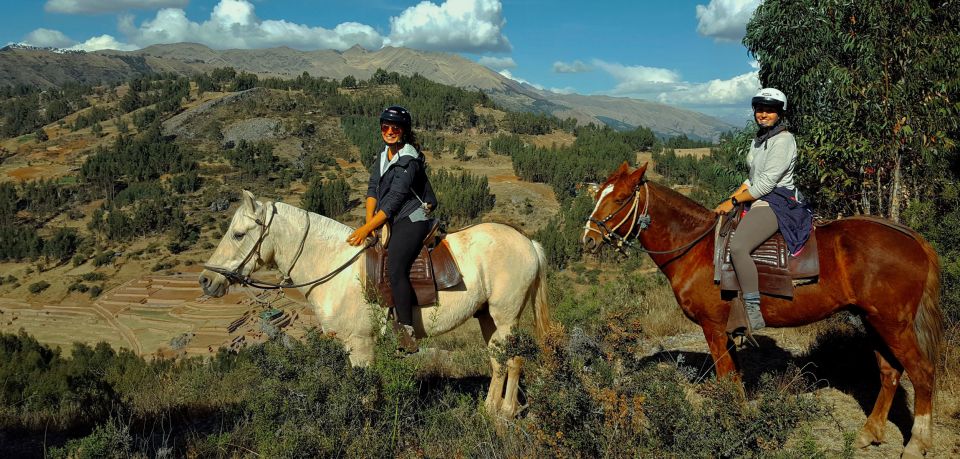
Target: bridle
pixel 639 220
pixel 236 276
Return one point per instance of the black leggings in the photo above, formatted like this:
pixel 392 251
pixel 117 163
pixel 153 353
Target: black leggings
pixel 406 239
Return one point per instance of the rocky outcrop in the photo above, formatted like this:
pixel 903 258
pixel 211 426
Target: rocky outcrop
pixel 179 125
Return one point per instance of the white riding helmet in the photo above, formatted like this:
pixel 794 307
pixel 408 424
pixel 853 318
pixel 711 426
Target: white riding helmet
pixel 770 97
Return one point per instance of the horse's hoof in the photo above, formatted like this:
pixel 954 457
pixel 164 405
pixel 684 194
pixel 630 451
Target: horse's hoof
pixel 913 451
pixel 866 438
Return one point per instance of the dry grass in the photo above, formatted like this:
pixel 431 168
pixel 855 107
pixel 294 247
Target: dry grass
pixel 948 380
pixel 661 316
pixel 695 152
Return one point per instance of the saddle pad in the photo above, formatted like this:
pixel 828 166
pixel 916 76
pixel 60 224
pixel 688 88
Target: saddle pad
pixel 777 269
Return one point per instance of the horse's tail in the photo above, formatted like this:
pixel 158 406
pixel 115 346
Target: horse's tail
pixel 928 323
pixel 541 308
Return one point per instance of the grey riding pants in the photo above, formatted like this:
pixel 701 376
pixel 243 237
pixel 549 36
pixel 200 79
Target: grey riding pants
pixel 756 227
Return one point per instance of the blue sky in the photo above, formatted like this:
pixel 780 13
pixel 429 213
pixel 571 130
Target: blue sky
pixel 682 52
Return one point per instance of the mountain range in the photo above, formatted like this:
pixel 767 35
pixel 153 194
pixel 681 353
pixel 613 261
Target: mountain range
pixel 50 67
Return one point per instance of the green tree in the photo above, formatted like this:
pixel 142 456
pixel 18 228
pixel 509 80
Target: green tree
pixel 62 245
pixel 873 87
pixel 327 198
pixel 463 197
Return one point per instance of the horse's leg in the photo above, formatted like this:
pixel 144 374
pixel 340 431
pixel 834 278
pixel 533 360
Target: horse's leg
pixel 721 348
pixel 361 350
pixel 495 392
pixel 902 341
pixel 510 407
pixel 872 432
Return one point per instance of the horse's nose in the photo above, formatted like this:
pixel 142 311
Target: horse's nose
pixel 589 244
pixel 204 281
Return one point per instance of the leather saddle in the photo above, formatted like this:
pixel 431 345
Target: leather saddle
pixel 778 270
pixel 433 269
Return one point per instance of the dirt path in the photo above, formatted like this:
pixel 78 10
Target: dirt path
pixel 126 332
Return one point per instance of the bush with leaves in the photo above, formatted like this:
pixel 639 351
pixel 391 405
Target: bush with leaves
pixel 462 197
pixel 329 198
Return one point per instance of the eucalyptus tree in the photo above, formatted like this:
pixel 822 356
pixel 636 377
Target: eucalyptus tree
pixel 874 88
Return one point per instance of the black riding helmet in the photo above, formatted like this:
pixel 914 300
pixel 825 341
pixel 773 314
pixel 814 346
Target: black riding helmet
pixel 397 115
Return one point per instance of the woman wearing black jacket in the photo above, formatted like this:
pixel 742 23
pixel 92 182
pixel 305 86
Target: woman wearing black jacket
pixel 399 193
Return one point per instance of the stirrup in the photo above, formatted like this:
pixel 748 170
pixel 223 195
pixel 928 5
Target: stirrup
pixel 746 337
pixel 744 331
pixel 406 342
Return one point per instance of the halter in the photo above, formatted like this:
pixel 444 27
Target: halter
pixel 608 234
pixel 236 275
pixel 638 220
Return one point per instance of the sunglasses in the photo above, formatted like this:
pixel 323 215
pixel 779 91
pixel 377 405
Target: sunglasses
pixel 385 128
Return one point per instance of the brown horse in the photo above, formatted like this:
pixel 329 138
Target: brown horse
pixel 887 272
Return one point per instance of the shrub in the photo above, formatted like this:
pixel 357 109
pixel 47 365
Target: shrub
pixel 103 258
pixel 330 198
pixel 110 440
pixel 38 287
pixel 93 276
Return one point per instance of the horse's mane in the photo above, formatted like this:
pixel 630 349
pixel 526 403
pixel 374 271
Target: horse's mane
pixel 688 208
pixel 319 224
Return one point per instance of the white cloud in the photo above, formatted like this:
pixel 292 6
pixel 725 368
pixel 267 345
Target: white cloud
pixel 497 63
pixel 106 6
pixel 564 90
pixel 455 25
pixel 48 37
pixel 509 75
pixel 103 42
pixel 725 20
pixel 572 67
pixel 667 86
pixel 234 24
pixel 734 91
pixel 638 80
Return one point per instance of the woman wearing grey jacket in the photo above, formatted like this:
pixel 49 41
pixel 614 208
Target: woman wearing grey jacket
pixel 770 195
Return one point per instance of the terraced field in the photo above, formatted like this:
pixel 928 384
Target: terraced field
pixel 160 316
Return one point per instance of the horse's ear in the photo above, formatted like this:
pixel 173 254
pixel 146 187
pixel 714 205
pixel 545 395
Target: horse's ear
pixel 620 172
pixel 637 175
pixel 249 202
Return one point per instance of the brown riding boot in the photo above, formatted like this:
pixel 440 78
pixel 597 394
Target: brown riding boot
pixel 406 342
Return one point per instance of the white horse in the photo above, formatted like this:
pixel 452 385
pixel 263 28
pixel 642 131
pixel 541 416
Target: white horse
pixel 503 272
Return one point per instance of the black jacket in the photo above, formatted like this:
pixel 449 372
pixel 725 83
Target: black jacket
pixel 394 190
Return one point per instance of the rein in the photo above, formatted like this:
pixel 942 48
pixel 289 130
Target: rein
pixel 236 275
pixel 639 220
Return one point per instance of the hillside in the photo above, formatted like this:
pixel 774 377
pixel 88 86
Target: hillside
pixel 47 68
pixel 145 290
pixel 112 209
